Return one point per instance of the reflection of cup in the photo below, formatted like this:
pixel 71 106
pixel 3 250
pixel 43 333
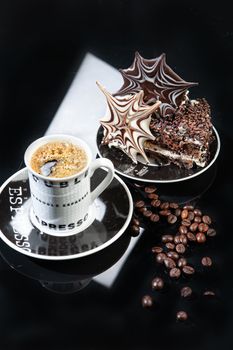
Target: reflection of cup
pixel 64 205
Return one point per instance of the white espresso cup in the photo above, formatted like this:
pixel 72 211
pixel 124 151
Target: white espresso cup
pixel 64 206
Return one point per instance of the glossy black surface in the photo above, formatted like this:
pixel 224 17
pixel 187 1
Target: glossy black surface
pixel 42 45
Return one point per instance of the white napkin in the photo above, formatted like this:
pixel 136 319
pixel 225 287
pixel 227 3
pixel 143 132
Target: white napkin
pixel 79 115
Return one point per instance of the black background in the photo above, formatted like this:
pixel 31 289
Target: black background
pixel 42 44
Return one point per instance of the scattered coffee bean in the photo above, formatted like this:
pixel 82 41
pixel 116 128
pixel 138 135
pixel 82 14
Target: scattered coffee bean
pixel 165 212
pixel 139 204
pixel 156 249
pixel 167 238
pixel 173 205
pixel 164 205
pixel 191 237
pixel 183 239
pixel 173 255
pixel 136 222
pixel 152 196
pixel 180 248
pixel 171 219
pixel 147 301
pixel 189 207
pixel 183 230
pixel 177 212
pixel 200 237
pixel 203 227
pixel 135 230
pixel 206 219
pixel 175 272
pixel 188 270
pixel 157 283
pixel 160 258
pixel 211 232
pixel 184 214
pixel 155 203
pixel 170 245
pixel 177 239
pixel 147 213
pixel 209 293
pixel 197 219
pixel 142 210
pixel 181 316
pixel 186 222
pixel 186 292
pixel 182 262
pixel 154 218
pixel 169 263
pixel 206 261
pixel 191 216
pixel 197 212
pixel 151 189
pixel 193 227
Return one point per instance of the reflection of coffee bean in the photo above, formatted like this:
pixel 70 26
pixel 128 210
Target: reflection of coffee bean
pixel 209 293
pixel 186 292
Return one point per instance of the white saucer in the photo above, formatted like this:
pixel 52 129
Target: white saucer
pixel 114 209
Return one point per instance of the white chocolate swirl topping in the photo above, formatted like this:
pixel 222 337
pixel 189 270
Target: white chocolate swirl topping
pixel 126 124
pixel 157 80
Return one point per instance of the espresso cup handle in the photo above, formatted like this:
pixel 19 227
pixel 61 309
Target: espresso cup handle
pixel 98 163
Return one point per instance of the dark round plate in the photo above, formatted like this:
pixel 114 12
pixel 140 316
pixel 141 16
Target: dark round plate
pixel 114 210
pixel 153 173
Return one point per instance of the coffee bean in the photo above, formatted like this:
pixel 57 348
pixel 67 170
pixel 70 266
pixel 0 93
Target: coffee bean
pixel 206 219
pixel 177 239
pixel 142 210
pixel 183 230
pixel 191 216
pixel 167 238
pixel 203 227
pixel 186 222
pixel 184 214
pixel 152 196
pixel 160 258
pixel 171 219
pixel 200 237
pixel 170 245
pixel 189 207
pixel 197 212
pixel 209 293
pixel 156 249
pixel 169 263
pixel 173 205
pixel 188 270
pixel 211 232
pixel 147 301
pixel 155 203
pixel 206 261
pixel 135 230
pixel 147 213
pixel 173 255
pixel 191 237
pixel 175 273
pixel 136 222
pixel 181 262
pixel 157 283
pixel 183 239
pixel 164 205
pixel 154 218
pixel 180 248
pixel 165 212
pixel 197 219
pixel 181 316
pixel 177 212
pixel 139 204
pixel 186 292
pixel 150 189
pixel 193 227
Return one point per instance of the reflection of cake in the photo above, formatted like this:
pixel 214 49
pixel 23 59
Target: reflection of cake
pixel 152 115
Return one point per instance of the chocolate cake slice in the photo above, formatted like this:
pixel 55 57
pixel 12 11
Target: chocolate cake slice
pixel 185 137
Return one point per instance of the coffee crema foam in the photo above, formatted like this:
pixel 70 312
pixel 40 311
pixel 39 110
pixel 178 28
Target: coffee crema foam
pixel 59 159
